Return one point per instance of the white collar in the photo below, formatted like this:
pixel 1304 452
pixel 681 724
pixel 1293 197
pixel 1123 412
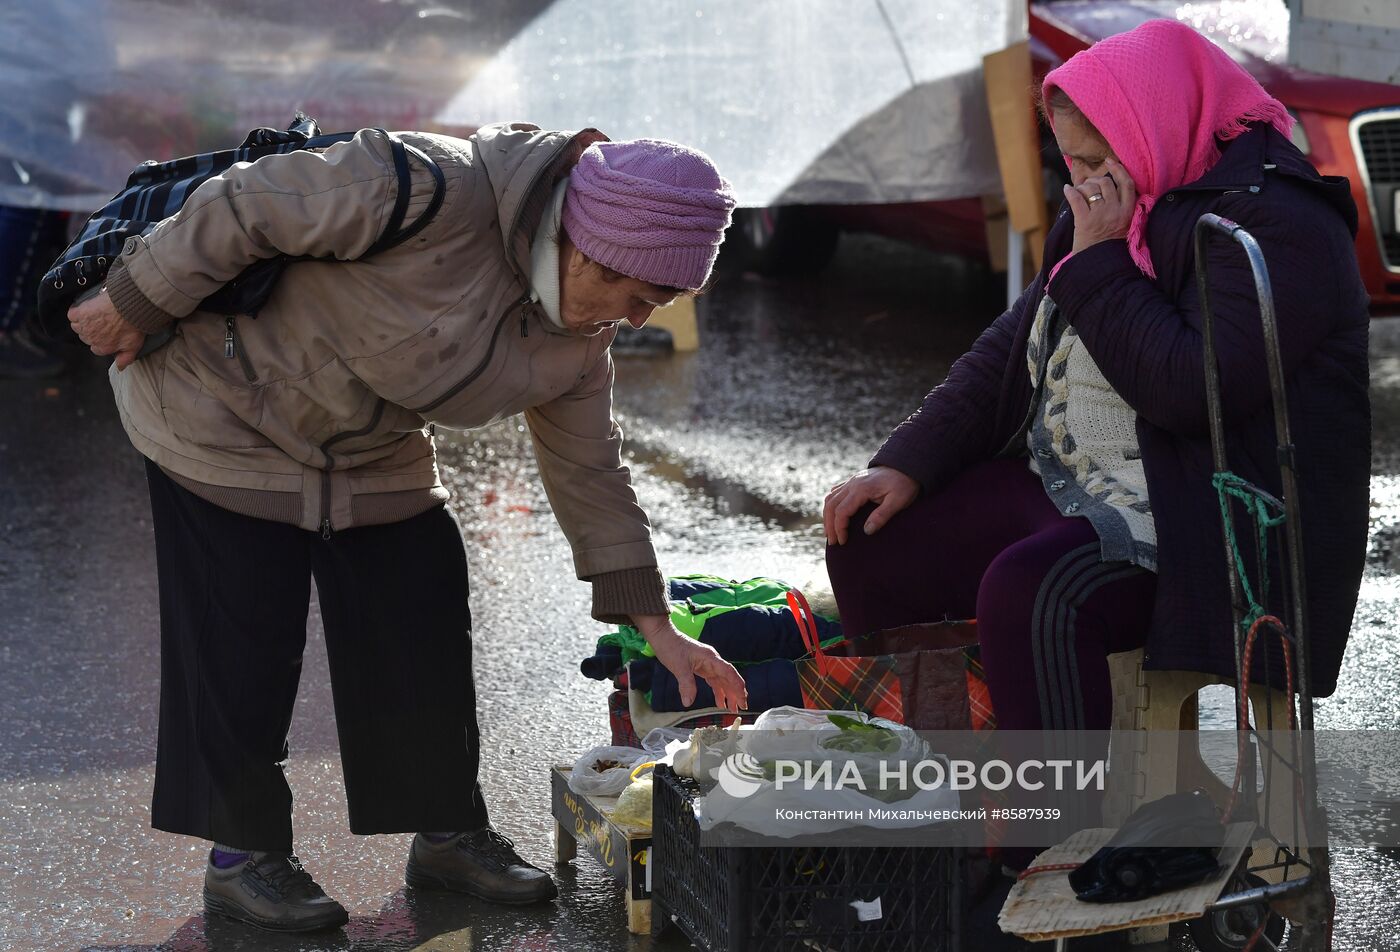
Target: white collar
pixel 544 257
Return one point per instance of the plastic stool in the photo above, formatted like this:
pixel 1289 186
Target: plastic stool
pixel 1159 708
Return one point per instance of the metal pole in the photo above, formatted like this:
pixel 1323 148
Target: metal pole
pixel 1217 429
pixel 1015 255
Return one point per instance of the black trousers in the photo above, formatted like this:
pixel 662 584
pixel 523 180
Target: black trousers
pixel 234 596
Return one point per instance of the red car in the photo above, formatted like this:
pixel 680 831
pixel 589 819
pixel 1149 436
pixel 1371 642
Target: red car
pixel 1346 127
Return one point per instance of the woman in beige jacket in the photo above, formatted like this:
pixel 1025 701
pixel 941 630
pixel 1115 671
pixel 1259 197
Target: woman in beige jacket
pixel 299 445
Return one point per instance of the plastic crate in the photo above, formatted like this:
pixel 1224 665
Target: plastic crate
pixel 795 898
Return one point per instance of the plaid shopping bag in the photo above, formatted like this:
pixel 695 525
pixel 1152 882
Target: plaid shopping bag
pixel 984 718
pixel 979 696
pixel 944 687
pixel 931 664
pixel 836 683
pixel 620 721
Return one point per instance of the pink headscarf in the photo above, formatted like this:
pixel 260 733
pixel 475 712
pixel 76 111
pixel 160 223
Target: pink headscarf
pixel 1161 95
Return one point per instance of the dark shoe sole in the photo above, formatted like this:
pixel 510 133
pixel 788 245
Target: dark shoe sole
pixel 419 879
pixel 228 909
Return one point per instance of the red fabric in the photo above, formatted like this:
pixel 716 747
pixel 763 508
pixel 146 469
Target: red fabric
pixel 1161 95
pixel 984 718
pixel 869 685
pixel 979 696
pixel 836 683
pixel 620 720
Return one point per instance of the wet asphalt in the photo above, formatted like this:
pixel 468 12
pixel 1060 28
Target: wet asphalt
pixel 732 448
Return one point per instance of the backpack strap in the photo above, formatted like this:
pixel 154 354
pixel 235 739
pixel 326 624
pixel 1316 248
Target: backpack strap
pixel 439 193
pixel 400 199
pixel 392 234
pixel 247 293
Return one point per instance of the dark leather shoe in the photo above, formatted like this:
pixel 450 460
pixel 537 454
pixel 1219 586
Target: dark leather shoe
pixel 483 863
pixel 271 891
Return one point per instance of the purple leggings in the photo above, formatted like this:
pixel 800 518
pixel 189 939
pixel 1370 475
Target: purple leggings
pixel 991 545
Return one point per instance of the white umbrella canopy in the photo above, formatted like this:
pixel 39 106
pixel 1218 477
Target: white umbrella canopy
pixel 91 88
pixel 797 100
pixel 810 101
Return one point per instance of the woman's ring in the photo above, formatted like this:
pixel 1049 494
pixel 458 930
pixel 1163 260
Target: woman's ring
pixel 1095 198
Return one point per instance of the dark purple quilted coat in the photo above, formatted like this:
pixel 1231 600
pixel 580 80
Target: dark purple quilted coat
pixel 1145 335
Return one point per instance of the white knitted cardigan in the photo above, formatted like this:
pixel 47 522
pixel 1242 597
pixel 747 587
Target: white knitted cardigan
pixel 1102 452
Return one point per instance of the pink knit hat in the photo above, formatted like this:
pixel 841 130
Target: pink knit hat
pixel 1161 95
pixel 650 209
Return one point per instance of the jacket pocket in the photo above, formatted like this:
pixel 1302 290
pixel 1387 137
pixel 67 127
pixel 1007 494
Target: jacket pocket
pixel 226 419
pixel 399 419
pixel 410 463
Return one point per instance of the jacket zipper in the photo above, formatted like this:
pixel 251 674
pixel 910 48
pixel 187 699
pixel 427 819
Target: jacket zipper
pixel 378 415
pixel 514 224
pixel 515 219
pixel 326 504
pixel 529 189
pixel 477 371
pixel 231 350
pixel 1019 436
pixel 524 326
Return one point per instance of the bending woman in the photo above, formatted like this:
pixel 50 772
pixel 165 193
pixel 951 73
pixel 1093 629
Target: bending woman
pixel 1057 485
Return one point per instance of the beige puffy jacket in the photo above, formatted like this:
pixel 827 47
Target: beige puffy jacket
pixel 314 413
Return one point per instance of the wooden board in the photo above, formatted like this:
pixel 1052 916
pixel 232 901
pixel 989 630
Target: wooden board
pixel 626 853
pixel 1043 906
pixel 1007 74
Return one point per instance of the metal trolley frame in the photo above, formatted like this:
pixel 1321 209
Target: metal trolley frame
pixel 1299 854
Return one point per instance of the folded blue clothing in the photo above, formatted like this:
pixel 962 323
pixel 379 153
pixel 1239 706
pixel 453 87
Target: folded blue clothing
pixel 746 635
pixel 683 588
pixel 712 590
pixel 758 633
pixel 604 664
pixel 747 622
pixel 770 684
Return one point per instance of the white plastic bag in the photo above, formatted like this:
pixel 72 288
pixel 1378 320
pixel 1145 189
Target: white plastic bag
pixel 605 771
pixel 659 740
pixel 705 750
pixel 792 732
pixel 747 794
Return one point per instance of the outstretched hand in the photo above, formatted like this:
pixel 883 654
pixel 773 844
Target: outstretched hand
pixel 893 490
pixel 689 659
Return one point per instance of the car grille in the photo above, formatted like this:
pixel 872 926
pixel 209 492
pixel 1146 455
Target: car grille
pixel 1379 141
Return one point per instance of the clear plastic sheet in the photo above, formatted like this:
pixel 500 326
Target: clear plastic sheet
pixel 819 101
pixel 796 100
pixel 91 88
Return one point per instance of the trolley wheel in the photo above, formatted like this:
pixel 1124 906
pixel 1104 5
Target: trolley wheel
pixel 1228 930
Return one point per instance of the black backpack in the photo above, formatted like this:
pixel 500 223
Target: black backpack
pixel 156 190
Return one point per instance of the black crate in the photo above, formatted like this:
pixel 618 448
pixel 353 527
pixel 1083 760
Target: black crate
pixel 739 899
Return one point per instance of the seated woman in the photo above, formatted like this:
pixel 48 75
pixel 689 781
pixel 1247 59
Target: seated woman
pixel 1057 485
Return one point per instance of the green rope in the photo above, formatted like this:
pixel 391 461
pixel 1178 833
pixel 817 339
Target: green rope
pixel 1266 516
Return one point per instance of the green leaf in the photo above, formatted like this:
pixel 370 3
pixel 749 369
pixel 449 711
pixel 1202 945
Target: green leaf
pixel 851 724
pixel 859 737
